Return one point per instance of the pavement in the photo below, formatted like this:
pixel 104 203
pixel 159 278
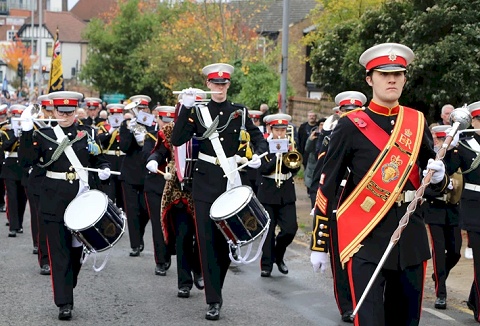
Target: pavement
pixel 458 282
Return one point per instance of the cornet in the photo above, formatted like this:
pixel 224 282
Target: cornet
pixel 291 159
pixel 133 126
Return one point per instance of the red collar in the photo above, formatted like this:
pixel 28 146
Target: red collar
pixel 383 110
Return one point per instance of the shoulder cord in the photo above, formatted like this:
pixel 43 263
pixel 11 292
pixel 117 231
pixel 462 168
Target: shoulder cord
pixel 112 139
pixel 61 146
pixel 213 127
pixel 475 162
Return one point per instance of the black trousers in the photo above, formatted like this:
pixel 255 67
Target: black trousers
pixel 446 246
pixel 64 262
pixel 16 203
pixel 153 201
pixel 2 192
pixel 137 214
pixel 275 246
pixel 474 298
pixel 213 252
pixel 188 258
pixel 341 287
pixel 38 228
pixel 395 298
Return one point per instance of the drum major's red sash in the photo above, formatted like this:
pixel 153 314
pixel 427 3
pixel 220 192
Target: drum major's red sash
pixel 382 184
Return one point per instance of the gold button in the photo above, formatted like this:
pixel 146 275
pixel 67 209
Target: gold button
pixel 320 234
pixel 319 242
pixel 221 139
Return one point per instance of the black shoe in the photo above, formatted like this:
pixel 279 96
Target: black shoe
pixel 183 292
pixel 441 303
pixel 35 250
pixel 12 234
pixel 347 316
pixel 135 252
pixel 265 273
pixel 168 263
pixel 142 246
pixel 45 270
pixel 7 223
pixel 198 281
pixel 470 306
pixel 282 268
pixel 65 312
pixel 160 270
pixel 213 312
pixel 20 230
pixel 433 278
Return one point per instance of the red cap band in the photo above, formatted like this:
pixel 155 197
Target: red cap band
pixel 386 60
pixel 278 122
pixel 115 110
pixel 441 134
pixel 166 114
pixel 65 102
pixel 47 102
pixel 219 74
pixel 350 102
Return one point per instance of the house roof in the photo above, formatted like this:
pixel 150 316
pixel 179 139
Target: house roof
pixel 69 26
pixel 271 19
pixel 89 9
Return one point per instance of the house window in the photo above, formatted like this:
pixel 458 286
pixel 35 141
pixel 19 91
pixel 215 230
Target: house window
pixel 11 34
pixel 49 49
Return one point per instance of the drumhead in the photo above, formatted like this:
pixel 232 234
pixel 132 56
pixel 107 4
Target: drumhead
pixel 85 210
pixel 230 202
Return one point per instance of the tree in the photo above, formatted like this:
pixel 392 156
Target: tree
pixel 16 52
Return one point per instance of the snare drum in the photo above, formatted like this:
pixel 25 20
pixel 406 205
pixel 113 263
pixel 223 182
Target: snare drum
pixel 239 215
pixel 185 157
pixel 95 220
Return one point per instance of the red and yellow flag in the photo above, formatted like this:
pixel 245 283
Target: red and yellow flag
pixel 56 82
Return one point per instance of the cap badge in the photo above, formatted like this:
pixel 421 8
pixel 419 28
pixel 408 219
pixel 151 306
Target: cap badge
pixel 66 101
pixel 352 101
pixel 220 73
pixel 392 57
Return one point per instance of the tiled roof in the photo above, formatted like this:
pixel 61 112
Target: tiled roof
pixel 270 18
pixel 69 26
pixel 89 9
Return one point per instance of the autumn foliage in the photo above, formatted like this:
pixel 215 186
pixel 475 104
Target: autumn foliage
pixel 16 52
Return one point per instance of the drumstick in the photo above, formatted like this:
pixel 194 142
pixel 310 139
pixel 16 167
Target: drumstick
pixel 244 165
pixel 161 172
pixel 94 170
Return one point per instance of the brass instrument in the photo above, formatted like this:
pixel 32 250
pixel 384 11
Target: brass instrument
pixel 291 159
pixel 453 197
pixel 132 125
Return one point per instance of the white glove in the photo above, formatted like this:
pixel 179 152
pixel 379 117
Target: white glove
pixel 241 160
pixel 319 261
pixel 27 121
pixel 454 141
pixel 255 162
pixel 188 97
pixel 152 166
pixel 104 174
pixel 468 253
pixel 331 122
pixel 439 170
pixel 139 137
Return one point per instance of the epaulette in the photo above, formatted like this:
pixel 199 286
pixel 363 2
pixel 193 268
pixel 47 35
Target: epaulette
pixel 348 112
pixel 238 105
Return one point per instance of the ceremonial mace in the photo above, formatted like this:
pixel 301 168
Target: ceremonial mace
pixel 459 119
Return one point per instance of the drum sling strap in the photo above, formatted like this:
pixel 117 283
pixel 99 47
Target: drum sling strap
pixel 378 190
pixel 474 147
pixel 226 164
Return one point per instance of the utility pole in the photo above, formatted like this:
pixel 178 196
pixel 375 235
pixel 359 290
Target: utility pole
pixel 40 40
pixel 284 69
pixel 32 85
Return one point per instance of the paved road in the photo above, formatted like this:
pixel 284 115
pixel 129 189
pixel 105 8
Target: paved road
pixel 127 292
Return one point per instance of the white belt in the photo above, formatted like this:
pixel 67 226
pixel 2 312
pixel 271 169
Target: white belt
pixel 112 152
pixel 405 197
pixel 280 176
pixel 343 183
pixel 472 187
pixel 67 176
pixel 11 154
pixel 210 159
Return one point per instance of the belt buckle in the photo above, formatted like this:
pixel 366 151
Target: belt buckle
pixel 117 152
pixel 400 199
pixel 217 161
pixel 70 176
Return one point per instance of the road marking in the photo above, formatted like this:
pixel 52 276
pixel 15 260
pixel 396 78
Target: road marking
pixel 438 314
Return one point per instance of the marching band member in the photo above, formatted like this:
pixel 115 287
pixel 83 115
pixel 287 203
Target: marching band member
pixel 217 126
pixel 465 156
pixel 441 217
pixel 13 174
pixel 368 215
pixel 153 190
pixel 177 210
pixel 33 190
pixel 110 141
pixel 133 171
pixel 276 192
pixel 4 125
pixel 92 106
pixel 57 150
pixel 345 101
